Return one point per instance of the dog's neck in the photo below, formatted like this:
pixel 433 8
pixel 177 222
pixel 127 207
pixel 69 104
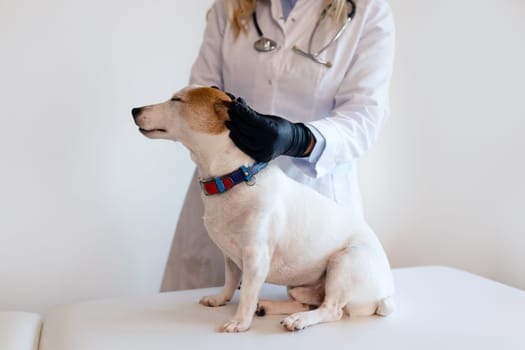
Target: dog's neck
pixel 216 155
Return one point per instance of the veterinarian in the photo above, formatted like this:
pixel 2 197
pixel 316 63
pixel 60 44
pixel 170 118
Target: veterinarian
pixel 314 90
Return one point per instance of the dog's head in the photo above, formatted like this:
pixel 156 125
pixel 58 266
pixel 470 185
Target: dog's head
pixel 192 109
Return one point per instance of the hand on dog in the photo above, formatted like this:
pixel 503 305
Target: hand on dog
pixel 265 137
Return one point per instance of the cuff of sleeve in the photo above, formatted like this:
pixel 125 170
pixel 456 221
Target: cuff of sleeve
pixel 326 159
pixel 308 165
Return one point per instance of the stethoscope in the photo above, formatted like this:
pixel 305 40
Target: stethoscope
pixel 264 44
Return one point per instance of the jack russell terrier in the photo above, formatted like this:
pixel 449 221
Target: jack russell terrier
pixel 271 228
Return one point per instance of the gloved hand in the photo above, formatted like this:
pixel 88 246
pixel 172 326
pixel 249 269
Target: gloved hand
pixel 265 137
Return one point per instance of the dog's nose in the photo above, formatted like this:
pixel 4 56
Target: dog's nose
pixel 135 112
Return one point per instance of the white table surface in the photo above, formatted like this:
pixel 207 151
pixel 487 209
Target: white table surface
pixel 19 330
pixel 437 308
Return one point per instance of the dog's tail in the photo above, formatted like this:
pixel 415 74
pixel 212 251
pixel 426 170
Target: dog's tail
pixel 385 306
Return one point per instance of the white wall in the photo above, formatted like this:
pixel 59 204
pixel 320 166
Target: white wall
pixel 88 206
pixel 445 184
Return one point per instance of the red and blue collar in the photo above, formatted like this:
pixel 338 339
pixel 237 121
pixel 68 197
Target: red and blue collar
pixel 222 184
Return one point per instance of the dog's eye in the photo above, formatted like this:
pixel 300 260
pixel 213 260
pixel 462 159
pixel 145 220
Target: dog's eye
pixel 176 99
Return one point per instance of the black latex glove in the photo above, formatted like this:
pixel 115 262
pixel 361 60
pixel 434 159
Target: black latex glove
pixel 265 137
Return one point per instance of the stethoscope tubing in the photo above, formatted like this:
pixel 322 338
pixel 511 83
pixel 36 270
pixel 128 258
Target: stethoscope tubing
pixel 336 36
pixel 264 44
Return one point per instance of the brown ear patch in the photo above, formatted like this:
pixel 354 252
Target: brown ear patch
pixel 206 109
pixel 221 109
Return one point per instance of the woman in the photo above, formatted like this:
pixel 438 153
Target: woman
pixel 340 97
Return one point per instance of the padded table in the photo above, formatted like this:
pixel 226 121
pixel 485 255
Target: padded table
pixel 437 308
pixel 19 330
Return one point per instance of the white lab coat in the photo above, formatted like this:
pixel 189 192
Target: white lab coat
pixel 344 106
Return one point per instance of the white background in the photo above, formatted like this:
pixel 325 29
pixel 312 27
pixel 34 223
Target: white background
pixel 88 205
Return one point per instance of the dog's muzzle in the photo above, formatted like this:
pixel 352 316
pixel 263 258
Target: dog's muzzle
pixel 136 112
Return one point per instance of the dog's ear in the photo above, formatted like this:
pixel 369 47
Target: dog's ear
pixel 221 109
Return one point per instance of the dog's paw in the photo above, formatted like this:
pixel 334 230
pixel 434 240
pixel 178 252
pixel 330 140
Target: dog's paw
pixel 235 326
pixel 261 310
pixel 294 323
pixel 214 300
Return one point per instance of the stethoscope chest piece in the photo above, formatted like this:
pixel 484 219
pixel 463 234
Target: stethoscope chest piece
pixel 264 45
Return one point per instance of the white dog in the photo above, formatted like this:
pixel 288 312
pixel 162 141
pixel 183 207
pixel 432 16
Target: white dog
pixel 271 228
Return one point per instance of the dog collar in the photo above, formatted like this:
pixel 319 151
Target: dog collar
pixel 222 184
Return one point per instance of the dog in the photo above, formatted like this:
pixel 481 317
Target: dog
pixel 271 228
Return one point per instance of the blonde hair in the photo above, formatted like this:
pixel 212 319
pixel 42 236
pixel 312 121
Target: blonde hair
pixel 242 11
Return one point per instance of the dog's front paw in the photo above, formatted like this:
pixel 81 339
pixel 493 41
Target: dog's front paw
pixel 294 323
pixel 214 300
pixel 235 326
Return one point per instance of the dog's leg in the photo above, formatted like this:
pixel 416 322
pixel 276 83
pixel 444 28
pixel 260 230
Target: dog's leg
pixel 281 307
pixel 256 264
pixel 231 281
pixel 344 270
pixel 310 295
pixel 302 298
